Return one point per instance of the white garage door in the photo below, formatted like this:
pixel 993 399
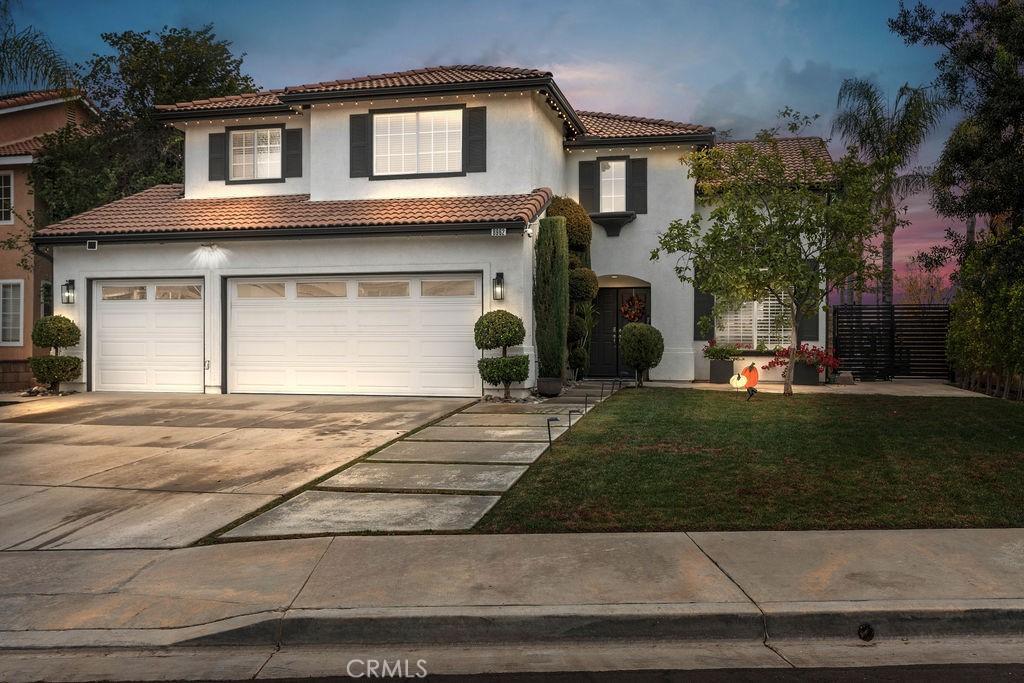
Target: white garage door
pixel 148 335
pixel 388 335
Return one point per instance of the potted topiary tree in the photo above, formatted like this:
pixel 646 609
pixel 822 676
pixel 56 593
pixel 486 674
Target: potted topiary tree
pixel 642 348
pixel 551 304
pixel 56 332
pixel 500 330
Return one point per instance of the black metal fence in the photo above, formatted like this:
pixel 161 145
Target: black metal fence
pixel 884 342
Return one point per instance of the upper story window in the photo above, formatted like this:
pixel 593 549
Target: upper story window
pixel 255 154
pixel 423 142
pixel 7 197
pixel 613 185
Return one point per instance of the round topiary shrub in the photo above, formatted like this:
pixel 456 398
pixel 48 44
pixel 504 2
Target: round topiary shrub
pixel 577 330
pixel 498 330
pixel 52 370
pixel 504 370
pixel 582 284
pixel 577 221
pixel 575 261
pixel 56 332
pixel 642 348
pixel 579 359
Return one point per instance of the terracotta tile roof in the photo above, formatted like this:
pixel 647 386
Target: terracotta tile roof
pixel 435 75
pixel 161 209
pixel 22 98
pixel 604 125
pixel 21 147
pixel 798 153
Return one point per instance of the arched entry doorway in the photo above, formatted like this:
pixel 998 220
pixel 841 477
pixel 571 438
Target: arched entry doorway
pixel 621 299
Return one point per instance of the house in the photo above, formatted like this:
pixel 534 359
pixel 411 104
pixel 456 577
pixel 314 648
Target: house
pixel 25 277
pixel 343 237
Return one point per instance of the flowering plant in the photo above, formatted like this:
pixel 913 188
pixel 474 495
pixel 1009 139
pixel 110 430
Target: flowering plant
pixel 715 351
pixel 815 356
pixel 634 309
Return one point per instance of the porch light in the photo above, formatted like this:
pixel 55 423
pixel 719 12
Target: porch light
pixel 67 292
pixel 498 286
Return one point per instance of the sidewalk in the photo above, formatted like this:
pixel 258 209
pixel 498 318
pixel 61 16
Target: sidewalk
pixel 757 593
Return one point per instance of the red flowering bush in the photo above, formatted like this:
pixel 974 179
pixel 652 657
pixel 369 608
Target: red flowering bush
pixel 808 355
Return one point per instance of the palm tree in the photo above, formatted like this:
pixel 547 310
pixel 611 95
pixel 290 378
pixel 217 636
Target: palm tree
pixel 888 137
pixel 27 57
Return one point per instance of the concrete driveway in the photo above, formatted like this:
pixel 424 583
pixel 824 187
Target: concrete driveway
pixel 165 470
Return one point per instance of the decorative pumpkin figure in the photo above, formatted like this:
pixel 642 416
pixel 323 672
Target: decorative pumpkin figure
pixel 751 375
pixel 738 381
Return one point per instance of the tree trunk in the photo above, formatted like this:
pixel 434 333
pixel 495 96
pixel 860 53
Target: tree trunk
pixel 887 250
pixel 794 319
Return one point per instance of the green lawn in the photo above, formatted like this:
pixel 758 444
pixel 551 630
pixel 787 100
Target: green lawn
pixel 677 459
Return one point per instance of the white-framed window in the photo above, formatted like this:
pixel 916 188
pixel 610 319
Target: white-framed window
pixel 12 312
pixel 755 323
pixel 613 185
pixel 417 142
pixel 6 197
pixel 255 154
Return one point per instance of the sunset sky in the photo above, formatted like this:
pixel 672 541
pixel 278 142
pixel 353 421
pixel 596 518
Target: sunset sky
pixel 731 64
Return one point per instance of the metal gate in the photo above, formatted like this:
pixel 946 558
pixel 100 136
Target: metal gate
pixel 884 342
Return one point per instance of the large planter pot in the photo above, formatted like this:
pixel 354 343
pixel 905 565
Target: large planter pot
pixel 549 386
pixel 804 374
pixel 721 371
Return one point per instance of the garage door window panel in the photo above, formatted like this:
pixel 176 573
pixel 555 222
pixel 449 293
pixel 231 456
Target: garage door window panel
pixel 384 288
pixel 123 293
pixel 260 290
pixel 321 290
pixel 447 288
pixel 179 292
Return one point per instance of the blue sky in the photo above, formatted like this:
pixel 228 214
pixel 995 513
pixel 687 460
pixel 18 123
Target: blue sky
pixel 729 63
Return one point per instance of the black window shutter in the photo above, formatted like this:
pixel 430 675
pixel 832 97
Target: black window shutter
pixel 359 162
pixel 218 156
pixel 293 153
pixel 588 186
pixel 474 129
pixel 636 185
pixel 808 328
pixel 703 306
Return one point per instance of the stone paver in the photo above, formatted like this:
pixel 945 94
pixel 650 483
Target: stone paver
pixel 332 512
pixel 505 420
pixel 515 434
pixel 461 451
pixel 426 476
pixel 77 518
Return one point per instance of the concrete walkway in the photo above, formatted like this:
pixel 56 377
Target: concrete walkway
pixel 444 477
pixel 766 599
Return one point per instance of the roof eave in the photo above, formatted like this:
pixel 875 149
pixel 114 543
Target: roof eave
pixel 643 140
pixel 477 228
pixel 16 160
pixel 227 113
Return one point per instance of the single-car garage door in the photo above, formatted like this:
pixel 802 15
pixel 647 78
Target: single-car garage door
pixel 395 334
pixel 148 335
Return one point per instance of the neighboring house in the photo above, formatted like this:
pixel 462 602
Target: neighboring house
pixel 343 237
pixel 25 293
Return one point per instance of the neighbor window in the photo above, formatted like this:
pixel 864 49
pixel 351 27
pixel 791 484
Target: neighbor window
pixel 384 288
pixel 179 292
pixel 7 197
pixel 318 290
pixel 613 185
pixel 256 154
pixel 447 288
pixel 417 142
pixel 753 324
pixel 10 312
pixel 260 290
pixel 126 293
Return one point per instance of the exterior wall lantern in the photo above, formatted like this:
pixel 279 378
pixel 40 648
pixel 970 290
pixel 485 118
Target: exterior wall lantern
pixel 498 287
pixel 67 292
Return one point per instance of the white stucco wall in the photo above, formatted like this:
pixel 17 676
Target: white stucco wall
pixel 511 255
pixel 670 195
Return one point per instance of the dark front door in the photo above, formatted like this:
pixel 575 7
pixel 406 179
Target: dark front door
pixel 605 354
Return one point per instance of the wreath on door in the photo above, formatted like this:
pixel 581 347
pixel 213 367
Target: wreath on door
pixel 634 309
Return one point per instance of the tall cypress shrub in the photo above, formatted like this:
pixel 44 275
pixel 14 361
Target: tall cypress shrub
pixel 551 295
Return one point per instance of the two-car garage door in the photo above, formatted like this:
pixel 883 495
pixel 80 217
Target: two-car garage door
pixel 401 334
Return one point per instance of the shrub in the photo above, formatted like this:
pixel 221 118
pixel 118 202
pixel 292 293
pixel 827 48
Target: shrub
pixel 579 358
pixel 582 284
pixel 642 347
pixel 56 332
pixel 52 370
pixel 715 351
pixel 551 296
pixel 577 330
pixel 577 221
pixel 575 260
pixel 498 330
pixel 504 370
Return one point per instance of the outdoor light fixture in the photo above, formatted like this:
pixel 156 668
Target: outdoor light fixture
pixel 498 285
pixel 67 292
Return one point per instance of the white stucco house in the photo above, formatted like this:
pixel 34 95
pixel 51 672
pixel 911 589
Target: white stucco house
pixel 343 237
